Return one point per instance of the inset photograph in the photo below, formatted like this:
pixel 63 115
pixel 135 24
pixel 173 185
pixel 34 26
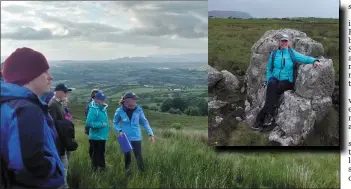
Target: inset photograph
pixel 273 76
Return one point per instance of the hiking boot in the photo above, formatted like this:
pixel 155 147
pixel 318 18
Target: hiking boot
pixel 256 126
pixel 268 127
pixel 269 120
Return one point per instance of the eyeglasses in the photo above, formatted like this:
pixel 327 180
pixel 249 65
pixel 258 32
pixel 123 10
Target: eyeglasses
pixel 284 41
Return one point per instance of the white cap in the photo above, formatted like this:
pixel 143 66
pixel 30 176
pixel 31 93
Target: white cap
pixel 284 37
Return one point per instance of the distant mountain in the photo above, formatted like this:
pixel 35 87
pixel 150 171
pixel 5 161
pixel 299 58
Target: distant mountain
pixel 181 58
pixel 226 14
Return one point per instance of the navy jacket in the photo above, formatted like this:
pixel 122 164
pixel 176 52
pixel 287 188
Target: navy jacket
pixel 28 140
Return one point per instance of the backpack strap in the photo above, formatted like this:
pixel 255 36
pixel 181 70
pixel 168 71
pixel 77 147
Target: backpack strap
pixel 292 56
pixel 273 57
pixel 295 66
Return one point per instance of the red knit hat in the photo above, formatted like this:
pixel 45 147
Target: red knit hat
pixel 24 65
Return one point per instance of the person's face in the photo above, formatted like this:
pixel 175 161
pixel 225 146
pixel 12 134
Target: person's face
pixel 65 103
pixel 100 101
pixel 42 83
pixel 61 95
pixel 129 103
pixel 284 44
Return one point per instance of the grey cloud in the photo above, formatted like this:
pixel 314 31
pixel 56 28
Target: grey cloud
pixel 82 27
pixel 183 19
pixel 161 42
pixel 163 25
pixel 15 9
pixel 19 23
pixel 169 18
pixel 28 33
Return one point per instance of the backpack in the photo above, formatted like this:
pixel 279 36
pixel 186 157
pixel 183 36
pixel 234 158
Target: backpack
pixel 295 64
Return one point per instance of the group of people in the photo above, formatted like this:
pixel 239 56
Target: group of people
pixel 37 129
pixel 126 121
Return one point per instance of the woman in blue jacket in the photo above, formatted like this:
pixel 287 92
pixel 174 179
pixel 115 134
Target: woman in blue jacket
pixel 279 79
pixel 97 121
pixel 126 120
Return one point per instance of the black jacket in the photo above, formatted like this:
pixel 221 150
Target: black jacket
pixel 66 142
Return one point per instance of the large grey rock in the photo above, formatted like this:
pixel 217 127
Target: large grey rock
pixel 312 82
pixel 298 112
pixel 229 81
pixel 295 115
pixel 214 76
pixel 321 105
pixel 215 105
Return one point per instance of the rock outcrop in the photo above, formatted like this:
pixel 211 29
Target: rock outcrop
pixel 298 110
pixel 225 104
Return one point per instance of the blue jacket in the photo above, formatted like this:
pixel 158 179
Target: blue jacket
pixel 47 97
pixel 283 64
pixel 97 115
pixel 28 139
pixel 131 127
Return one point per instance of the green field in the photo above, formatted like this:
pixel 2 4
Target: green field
pixel 149 97
pixel 230 40
pixel 181 158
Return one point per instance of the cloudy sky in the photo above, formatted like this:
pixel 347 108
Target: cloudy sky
pixel 280 8
pixel 104 30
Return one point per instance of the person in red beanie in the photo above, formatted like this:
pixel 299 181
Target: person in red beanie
pixel 29 155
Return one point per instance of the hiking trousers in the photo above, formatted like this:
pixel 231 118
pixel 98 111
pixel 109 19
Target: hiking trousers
pixel 137 153
pixel 275 88
pixel 65 161
pixel 98 154
pixel 90 149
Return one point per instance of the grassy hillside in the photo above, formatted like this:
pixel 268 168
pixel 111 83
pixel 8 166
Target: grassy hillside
pixel 181 158
pixel 230 40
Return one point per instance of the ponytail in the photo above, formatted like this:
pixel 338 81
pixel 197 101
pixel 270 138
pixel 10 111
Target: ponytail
pixel 121 101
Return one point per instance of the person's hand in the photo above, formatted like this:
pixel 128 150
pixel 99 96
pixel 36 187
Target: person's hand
pixel 316 64
pixel 152 139
pixel 104 124
pixel 120 133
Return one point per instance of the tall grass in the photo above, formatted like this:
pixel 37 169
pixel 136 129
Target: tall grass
pixel 181 158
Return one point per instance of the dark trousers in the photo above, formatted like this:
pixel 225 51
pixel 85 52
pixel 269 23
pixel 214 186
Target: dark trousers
pixel 98 154
pixel 137 153
pixel 90 149
pixel 274 89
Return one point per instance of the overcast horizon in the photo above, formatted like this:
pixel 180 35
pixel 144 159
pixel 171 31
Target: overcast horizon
pixel 279 9
pixel 104 30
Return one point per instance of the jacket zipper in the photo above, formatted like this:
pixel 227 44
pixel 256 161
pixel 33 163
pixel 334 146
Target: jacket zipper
pixel 130 121
pixel 281 65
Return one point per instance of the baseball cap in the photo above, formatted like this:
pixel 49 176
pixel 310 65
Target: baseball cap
pixel 130 95
pixel 100 96
pixel 62 87
pixel 284 37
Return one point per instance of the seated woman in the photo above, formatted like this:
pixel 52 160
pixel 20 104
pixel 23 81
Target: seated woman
pixel 279 78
